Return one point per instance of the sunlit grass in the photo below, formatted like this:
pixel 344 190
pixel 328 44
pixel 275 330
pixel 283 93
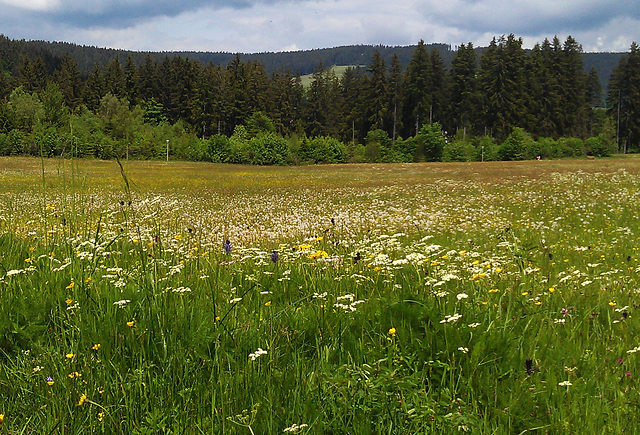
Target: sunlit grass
pixel 480 297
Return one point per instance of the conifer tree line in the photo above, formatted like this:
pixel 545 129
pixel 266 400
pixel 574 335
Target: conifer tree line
pixel 506 104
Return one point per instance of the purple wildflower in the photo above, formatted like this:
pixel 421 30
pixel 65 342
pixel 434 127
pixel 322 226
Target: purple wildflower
pixel 274 256
pixel 227 247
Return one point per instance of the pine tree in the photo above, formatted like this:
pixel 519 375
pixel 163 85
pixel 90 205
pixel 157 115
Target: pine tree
pixel 130 79
pixel 114 79
pixel 395 94
pixel 437 91
pixel 573 85
pixel 464 87
pixel 377 107
pixel 502 80
pixel 69 81
pixel 94 89
pixel 415 104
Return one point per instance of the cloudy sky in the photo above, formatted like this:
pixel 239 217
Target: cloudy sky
pixel 276 25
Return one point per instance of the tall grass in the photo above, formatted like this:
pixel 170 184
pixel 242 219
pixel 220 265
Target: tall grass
pixel 405 298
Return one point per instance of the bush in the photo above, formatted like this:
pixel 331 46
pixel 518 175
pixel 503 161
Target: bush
pixel 458 151
pixel 597 146
pixel 218 148
pixel 570 147
pixel 430 143
pixel 485 149
pixel 515 145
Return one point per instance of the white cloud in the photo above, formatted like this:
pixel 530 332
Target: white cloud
pixel 275 25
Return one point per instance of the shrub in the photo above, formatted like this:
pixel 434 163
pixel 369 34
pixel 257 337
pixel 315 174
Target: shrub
pixel 515 145
pixel 458 151
pixel 430 143
pixel 218 148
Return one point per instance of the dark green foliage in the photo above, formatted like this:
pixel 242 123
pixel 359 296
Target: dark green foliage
pixel 624 99
pixel 430 143
pixel 458 150
pixel 545 91
pixel 218 148
pixel 515 145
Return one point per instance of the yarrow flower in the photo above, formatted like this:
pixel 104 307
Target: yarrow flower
pixel 565 384
pixel 451 319
pixel 295 428
pixel 253 356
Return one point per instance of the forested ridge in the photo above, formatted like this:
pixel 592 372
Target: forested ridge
pixel 423 103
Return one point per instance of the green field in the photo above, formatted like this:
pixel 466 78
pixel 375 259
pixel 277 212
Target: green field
pixel 337 70
pixel 491 297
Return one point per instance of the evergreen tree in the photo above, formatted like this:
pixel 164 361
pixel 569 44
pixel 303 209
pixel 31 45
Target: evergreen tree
pixel 33 76
pixel 502 80
pixel 395 94
pixel 415 104
pixel 575 106
pixel 70 83
pixel 437 92
pixel 130 79
pixel 353 128
pixel 624 99
pixel 147 85
pixel 464 87
pixel 94 89
pixel 377 107
pixel 236 97
pixel 288 96
pixel 258 88
pixel 114 79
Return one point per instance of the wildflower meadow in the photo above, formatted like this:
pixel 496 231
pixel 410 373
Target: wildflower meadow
pixel 197 298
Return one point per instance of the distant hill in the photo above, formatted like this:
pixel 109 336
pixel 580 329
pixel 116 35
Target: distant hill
pixel 298 62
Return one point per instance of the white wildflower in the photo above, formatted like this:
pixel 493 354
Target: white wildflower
pixel 452 318
pixel 295 428
pixel 122 303
pixel 253 356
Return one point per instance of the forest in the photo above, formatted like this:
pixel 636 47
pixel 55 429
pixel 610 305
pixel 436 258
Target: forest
pixel 499 103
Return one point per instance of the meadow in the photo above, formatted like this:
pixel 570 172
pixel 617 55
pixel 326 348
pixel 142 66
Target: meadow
pixel 196 298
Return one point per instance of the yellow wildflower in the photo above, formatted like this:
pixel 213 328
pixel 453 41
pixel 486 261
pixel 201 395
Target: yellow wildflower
pixel 131 323
pixel 392 332
pixel 96 346
pixel 83 399
pixel 69 355
pixel 268 303
pixel 70 286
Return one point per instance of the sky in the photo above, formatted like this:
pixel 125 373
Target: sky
pixel 250 26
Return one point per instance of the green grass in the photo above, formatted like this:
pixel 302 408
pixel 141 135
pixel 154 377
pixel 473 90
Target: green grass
pixel 125 298
pixel 337 70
